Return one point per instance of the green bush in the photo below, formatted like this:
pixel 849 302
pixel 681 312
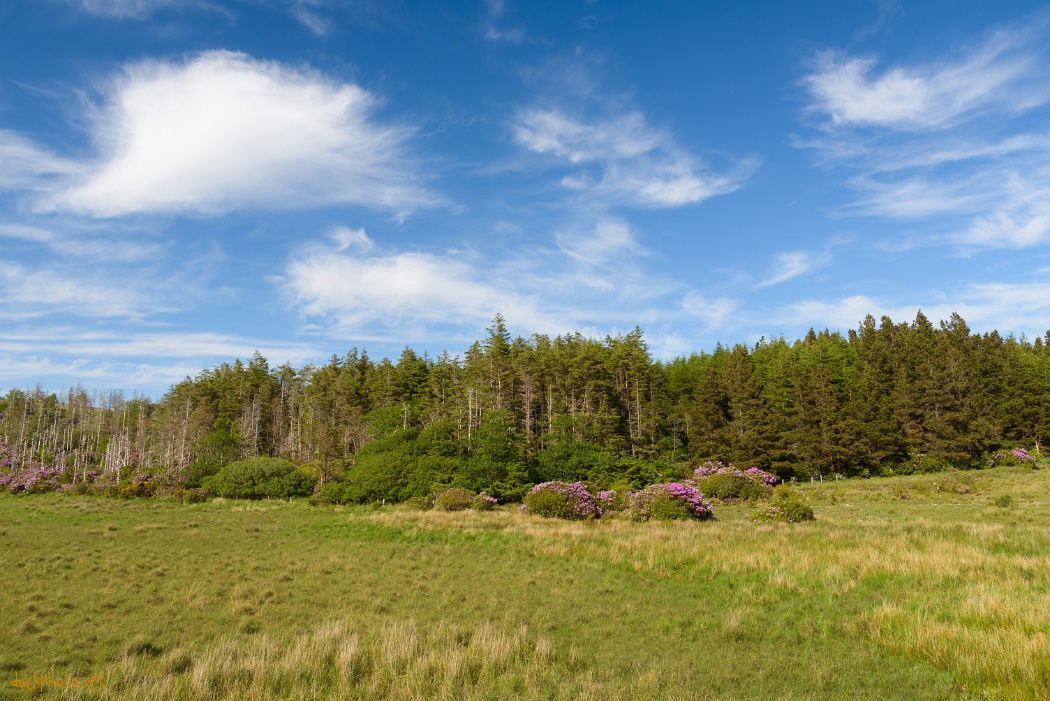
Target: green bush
pixel 454 499
pixel 786 506
pixel 420 503
pixel 331 493
pixel 732 486
pixel 1003 502
pixel 549 504
pixel 260 478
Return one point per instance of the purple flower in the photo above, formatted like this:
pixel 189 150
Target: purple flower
pixel 582 504
pixel 753 474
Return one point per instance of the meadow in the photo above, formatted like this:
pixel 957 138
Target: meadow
pixel 927 587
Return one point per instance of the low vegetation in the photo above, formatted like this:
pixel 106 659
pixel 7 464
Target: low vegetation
pixel 931 586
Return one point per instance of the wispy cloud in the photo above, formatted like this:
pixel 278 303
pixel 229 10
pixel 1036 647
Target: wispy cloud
pixel 123 9
pixel 353 288
pixel 130 343
pixel 24 165
pixel 951 140
pixel 608 241
pixel 714 313
pixel 223 131
pixel 1008 307
pixel 143 360
pixel 107 247
pixel 304 11
pixel 636 164
pixel 366 292
pixel 497 10
pixel 27 292
pixel 791 264
pixel 1002 75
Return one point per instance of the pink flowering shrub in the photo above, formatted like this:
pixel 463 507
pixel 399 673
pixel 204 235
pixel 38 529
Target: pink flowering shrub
pixel 720 481
pixel 610 500
pixel 35 480
pixel 753 474
pixel 561 500
pixel 1018 457
pixel 663 502
pixel 483 502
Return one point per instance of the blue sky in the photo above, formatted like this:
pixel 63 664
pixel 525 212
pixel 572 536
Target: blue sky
pixel 183 182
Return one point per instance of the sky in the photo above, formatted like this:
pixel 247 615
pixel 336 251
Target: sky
pixel 186 182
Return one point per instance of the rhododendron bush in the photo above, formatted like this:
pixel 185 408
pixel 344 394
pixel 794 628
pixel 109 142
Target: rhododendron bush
pixel 720 481
pixel 663 502
pixel 561 500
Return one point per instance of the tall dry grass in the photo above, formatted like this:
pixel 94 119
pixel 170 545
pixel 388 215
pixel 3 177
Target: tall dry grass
pixel 339 659
pixel 972 597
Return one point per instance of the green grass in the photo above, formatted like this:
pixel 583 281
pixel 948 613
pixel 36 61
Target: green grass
pixel 911 587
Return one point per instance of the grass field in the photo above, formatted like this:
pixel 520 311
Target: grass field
pixel 927 587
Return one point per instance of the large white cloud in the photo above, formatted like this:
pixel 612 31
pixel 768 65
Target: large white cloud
pixel 223 131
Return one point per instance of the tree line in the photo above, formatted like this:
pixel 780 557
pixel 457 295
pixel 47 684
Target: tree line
pixel 512 411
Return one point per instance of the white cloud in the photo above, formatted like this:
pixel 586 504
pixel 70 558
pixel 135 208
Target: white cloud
pixel 791 264
pixel 636 163
pixel 309 18
pixel 25 165
pixel 223 131
pixel 27 293
pixel 715 313
pixel 147 361
pixel 363 293
pixel 998 76
pixel 610 240
pixel 496 10
pixel 139 344
pixel 1008 307
pixel 83 245
pixel 369 293
pixel 123 9
pixel 949 141
pixel 1019 225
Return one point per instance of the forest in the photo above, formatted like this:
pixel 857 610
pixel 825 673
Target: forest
pixel 886 398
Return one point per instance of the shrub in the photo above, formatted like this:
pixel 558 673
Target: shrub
pixel 787 506
pixel 1003 502
pixel 330 493
pixel 752 474
pixel 420 503
pixel 195 495
pixel 922 464
pixel 35 480
pixel 664 502
pixel 718 481
pixel 137 490
pixel 483 502
pixel 561 500
pixel 259 478
pixel 611 500
pixel 1018 457
pixel 453 499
